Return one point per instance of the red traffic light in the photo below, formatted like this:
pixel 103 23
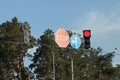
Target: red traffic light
pixel 86 33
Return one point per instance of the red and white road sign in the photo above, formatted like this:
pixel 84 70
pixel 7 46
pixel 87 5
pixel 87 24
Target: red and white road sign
pixel 62 38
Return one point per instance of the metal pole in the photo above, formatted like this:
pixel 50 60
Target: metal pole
pixel 53 65
pixel 72 68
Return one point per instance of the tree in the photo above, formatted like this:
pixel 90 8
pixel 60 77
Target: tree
pixel 10 32
pixel 43 56
pixel 117 72
pixel 11 48
pixel 89 64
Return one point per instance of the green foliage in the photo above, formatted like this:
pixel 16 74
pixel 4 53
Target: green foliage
pixel 89 64
pixel 11 47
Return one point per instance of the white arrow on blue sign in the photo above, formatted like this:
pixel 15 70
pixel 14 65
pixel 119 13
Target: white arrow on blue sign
pixel 75 41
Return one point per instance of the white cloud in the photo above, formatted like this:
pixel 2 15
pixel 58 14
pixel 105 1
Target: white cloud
pixel 105 30
pixel 103 23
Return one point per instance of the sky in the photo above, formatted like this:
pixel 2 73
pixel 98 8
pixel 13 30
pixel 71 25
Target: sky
pixel 102 17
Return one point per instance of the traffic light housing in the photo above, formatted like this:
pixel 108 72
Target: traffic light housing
pixel 87 35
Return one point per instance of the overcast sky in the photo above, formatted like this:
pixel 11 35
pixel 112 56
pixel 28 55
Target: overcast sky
pixel 102 17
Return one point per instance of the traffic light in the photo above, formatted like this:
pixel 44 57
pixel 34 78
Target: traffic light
pixel 87 35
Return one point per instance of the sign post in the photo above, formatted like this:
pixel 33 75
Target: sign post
pixel 62 40
pixel 75 43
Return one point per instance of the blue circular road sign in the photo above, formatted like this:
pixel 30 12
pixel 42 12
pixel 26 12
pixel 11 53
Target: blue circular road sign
pixel 75 41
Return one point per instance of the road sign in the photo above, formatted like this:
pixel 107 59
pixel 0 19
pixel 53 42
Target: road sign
pixel 75 41
pixel 62 38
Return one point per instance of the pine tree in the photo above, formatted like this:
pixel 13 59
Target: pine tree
pixel 12 48
pixel 89 64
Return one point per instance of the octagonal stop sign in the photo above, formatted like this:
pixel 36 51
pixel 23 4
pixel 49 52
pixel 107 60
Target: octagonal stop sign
pixel 62 38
